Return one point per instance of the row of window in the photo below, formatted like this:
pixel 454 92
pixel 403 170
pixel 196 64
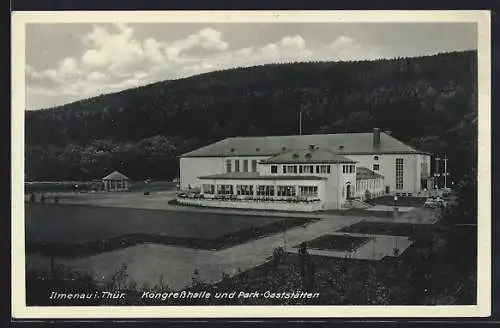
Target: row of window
pixel 237 168
pixel 369 184
pixel 262 190
pixel 288 169
pixel 348 168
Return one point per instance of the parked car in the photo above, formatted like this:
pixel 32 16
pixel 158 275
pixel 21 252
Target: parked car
pixel 435 202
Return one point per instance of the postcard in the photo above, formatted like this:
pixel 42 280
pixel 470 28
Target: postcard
pixel 251 164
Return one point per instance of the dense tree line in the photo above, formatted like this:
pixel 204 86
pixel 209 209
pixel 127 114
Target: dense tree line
pixel 428 102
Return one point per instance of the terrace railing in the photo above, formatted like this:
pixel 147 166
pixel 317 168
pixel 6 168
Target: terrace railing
pixel 243 198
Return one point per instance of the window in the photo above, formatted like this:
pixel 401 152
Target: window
pixel 375 158
pixel 399 173
pixel 208 189
pixel 286 191
pixel 236 165
pixel 225 189
pixel 246 190
pixel 274 168
pixel 254 165
pixel 424 169
pixel 376 167
pixel 290 169
pixel 306 169
pixel 228 165
pixel 323 169
pixel 348 168
pixel 245 165
pixel 265 190
pixel 308 191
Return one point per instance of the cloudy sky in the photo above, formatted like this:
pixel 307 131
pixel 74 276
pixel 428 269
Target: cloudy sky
pixel 68 62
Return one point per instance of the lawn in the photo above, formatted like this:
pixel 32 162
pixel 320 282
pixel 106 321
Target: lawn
pixel 153 186
pixel 337 243
pixel 387 228
pixel 75 230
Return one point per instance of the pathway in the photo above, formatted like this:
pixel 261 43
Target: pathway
pixel 147 262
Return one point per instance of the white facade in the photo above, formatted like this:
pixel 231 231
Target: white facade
pixel 412 170
pixel 333 174
pixel 193 167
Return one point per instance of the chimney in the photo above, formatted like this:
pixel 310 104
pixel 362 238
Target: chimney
pixel 312 147
pixel 376 138
pixel 341 148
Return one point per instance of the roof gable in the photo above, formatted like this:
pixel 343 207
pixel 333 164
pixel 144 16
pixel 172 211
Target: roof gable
pixel 363 173
pixel 115 176
pixel 342 143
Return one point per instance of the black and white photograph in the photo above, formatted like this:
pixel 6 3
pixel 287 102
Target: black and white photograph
pixel 277 162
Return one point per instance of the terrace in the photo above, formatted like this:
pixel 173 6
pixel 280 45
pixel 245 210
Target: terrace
pixel 279 203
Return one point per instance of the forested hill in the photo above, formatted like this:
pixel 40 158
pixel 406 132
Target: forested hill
pixel 429 102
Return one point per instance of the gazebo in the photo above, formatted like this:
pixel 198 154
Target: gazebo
pixel 116 181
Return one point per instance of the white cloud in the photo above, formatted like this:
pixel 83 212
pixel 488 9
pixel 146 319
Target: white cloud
pixel 68 66
pixel 116 59
pixel 96 76
pixel 152 50
pixel 115 50
pixel 346 48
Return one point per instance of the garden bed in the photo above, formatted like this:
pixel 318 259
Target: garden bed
pixel 337 243
pixel 387 228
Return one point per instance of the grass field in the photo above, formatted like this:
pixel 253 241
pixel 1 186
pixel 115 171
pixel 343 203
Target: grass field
pixel 74 230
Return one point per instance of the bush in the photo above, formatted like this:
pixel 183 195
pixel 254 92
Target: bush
pixel 278 254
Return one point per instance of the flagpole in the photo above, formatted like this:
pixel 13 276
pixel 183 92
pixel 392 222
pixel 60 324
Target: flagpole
pixel 300 121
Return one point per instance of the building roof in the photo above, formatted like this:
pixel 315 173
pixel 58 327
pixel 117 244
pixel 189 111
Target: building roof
pixel 343 143
pixel 362 173
pixel 116 176
pixel 257 176
pixel 307 156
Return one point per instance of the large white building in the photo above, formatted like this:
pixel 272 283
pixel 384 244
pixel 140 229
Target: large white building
pixel 302 172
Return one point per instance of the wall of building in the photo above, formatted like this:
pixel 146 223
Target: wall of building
pixel 193 167
pixel 387 168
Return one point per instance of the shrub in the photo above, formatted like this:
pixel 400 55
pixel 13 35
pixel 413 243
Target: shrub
pixel 278 254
